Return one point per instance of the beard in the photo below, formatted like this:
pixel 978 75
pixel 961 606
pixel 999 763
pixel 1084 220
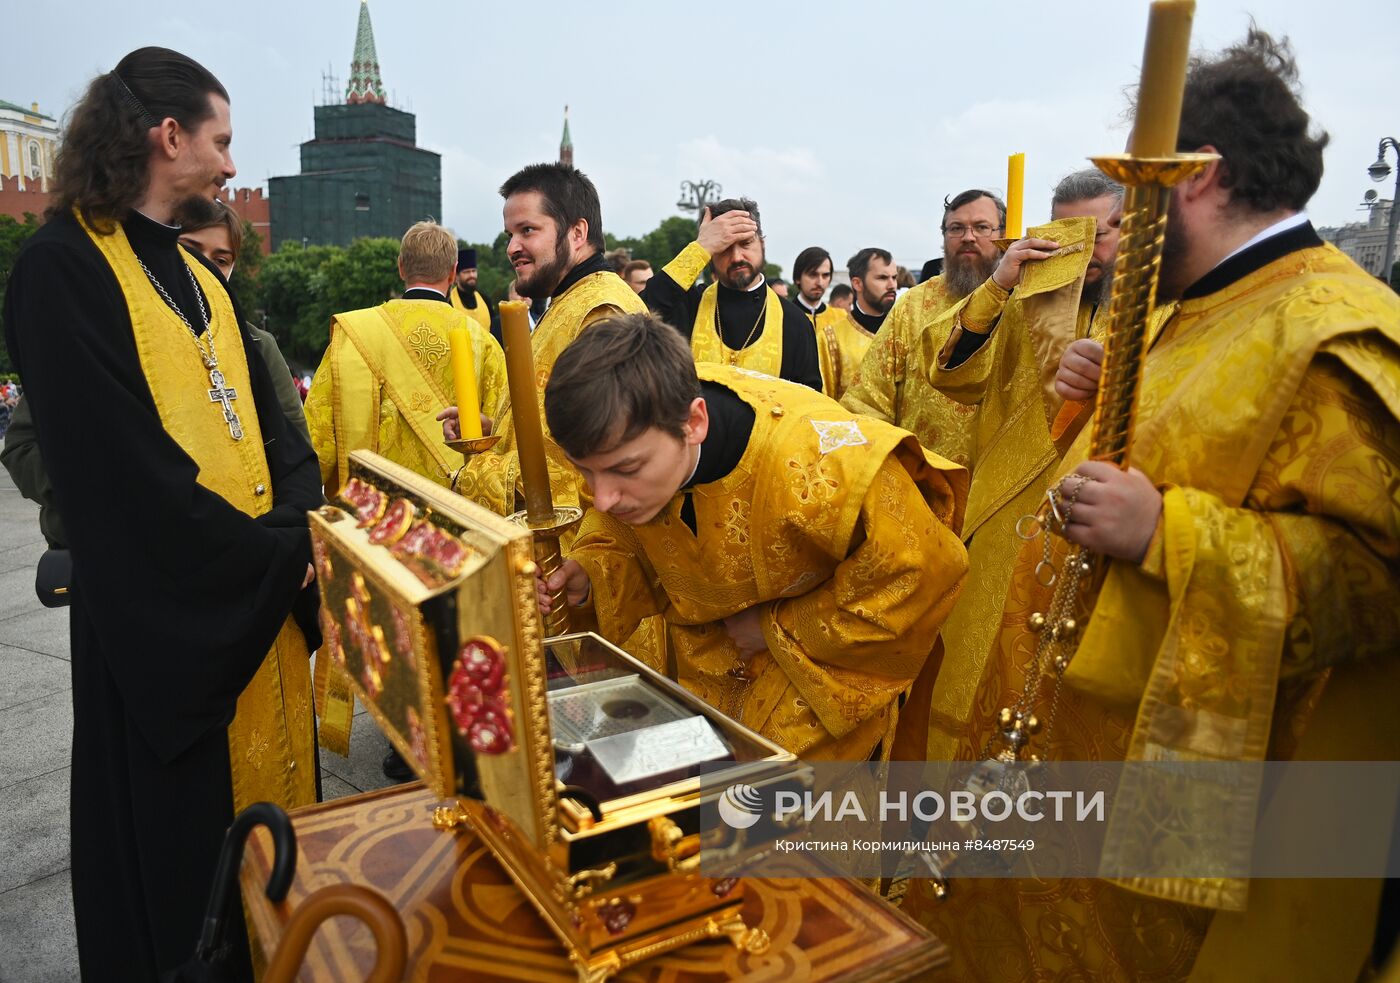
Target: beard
pixel 1098 293
pixel 964 274
pixel 876 303
pixel 1174 249
pixel 545 276
pixel 196 210
pixel 739 275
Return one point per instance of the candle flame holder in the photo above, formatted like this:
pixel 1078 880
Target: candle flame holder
pixel 471 446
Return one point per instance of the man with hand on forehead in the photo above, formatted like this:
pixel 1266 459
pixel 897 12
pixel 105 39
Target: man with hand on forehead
pixel 738 319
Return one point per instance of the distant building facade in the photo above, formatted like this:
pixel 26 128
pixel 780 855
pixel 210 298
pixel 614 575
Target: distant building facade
pixel 28 143
pixel 1364 241
pixel 363 174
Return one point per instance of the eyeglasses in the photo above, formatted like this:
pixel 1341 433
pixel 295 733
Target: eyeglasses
pixel 981 230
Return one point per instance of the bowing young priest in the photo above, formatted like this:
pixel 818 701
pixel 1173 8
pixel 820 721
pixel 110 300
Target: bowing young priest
pixel 184 491
pixel 738 319
pixel 802 558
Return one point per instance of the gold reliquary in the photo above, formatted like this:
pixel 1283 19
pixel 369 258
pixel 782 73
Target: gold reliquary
pixel 583 769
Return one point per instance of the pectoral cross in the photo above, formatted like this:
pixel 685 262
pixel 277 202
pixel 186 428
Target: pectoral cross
pixel 225 395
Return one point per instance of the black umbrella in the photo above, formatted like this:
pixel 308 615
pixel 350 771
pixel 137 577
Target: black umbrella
pixel 217 958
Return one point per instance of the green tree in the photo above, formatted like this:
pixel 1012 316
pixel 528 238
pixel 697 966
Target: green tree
pixel 300 289
pixel 13 236
pixel 244 282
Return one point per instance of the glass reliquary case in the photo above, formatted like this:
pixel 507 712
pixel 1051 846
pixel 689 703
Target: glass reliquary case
pixel 582 769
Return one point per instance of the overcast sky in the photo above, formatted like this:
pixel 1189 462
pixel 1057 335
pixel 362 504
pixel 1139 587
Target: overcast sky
pixel 847 122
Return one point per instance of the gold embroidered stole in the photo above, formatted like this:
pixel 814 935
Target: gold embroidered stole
pixel 271 753
pixel 399 349
pixel 841 345
pixel 764 354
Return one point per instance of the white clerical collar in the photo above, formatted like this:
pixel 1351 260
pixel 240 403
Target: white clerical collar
pixel 699 449
pixel 802 301
pixel 1281 226
pixel 758 282
pixel 424 286
pixel 157 221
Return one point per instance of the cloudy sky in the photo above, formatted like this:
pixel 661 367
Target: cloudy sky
pixel 848 122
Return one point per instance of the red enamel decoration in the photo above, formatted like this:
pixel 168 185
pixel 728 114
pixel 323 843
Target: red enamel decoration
pixel 483 663
pixel 479 713
pixel 391 528
pixel 723 887
pixel 616 915
pixel 490 732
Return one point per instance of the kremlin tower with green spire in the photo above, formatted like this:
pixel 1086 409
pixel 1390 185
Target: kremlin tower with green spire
pixel 363 174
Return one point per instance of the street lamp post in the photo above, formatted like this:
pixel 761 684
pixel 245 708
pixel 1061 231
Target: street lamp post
pixel 696 197
pixel 1379 171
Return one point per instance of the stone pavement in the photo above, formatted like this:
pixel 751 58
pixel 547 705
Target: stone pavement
pixel 36 724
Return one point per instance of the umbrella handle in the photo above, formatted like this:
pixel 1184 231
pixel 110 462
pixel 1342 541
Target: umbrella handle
pixel 225 890
pixel 363 903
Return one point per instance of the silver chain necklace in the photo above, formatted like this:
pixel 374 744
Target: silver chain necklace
pixel 221 394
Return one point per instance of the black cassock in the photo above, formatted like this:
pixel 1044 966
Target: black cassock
pixel 177 594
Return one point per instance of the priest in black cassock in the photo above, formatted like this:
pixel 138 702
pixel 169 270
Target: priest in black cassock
pixel 184 492
pixel 737 320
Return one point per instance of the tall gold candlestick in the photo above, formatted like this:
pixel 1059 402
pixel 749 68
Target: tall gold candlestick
pixel 1015 194
pixel 525 409
pixel 1164 58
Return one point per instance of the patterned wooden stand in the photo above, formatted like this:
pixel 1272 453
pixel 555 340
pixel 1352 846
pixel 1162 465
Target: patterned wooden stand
pixel 467 921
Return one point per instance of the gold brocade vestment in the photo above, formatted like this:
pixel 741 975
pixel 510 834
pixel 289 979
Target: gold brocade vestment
pixel 386 376
pixel 892 383
pixel 841 528
pixel 271 746
pixel 841 346
pixel 1009 382
pixel 1263 623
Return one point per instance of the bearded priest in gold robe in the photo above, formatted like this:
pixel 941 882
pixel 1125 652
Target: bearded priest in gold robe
pixel 892 381
pixel 803 558
pixel 555 223
pixel 387 374
pixel 997 351
pixel 739 319
pixel 1250 609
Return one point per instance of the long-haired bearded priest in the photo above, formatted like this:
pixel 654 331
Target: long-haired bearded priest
pixel 184 491
pixel 802 558
pixel 1251 608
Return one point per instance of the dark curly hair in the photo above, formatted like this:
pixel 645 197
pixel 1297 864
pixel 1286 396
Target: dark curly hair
pixel 1245 103
pixel 103 163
